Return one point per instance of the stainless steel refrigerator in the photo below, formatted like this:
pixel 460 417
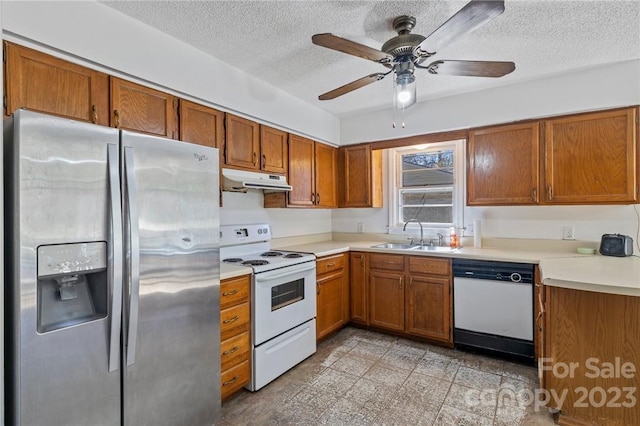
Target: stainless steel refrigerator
pixel 112 276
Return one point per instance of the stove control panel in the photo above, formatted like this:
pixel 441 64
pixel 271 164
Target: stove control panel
pixel 244 234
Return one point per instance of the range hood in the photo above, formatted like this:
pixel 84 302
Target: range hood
pixel 241 181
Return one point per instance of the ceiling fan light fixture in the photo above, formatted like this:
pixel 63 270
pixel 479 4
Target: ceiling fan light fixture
pixel 405 89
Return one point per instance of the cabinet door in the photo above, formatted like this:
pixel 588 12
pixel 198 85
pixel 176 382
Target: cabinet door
pixel 503 165
pixel 358 288
pixel 429 307
pixel 274 150
pixel 46 84
pixel 301 174
pixel 200 124
pixel 330 290
pixel 243 143
pixel 142 109
pixel 360 172
pixel 326 173
pixel 591 158
pixel 386 300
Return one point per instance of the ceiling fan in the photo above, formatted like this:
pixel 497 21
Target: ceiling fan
pixel 406 52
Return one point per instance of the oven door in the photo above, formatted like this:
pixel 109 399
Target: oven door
pixel 283 299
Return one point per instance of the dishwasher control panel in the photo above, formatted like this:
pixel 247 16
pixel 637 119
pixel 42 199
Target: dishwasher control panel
pixel 492 270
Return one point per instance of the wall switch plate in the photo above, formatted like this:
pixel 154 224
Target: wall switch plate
pixel 568 233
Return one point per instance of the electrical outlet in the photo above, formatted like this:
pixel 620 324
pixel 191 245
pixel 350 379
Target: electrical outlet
pixel 568 233
pixel 360 227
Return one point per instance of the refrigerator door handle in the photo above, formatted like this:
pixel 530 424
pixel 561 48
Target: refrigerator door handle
pixel 134 254
pixel 115 256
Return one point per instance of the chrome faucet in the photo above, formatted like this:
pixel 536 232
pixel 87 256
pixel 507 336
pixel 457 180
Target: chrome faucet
pixel 440 239
pixel 421 229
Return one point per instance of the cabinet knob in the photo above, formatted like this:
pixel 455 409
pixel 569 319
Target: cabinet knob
pixel 94 109
pixel 230 320
pixel 549 193
pixel 317 198
pixel 534 194
pixel 235 379
pixel 116 115
pixel 230 351
pixel 264 160
pixel 255 159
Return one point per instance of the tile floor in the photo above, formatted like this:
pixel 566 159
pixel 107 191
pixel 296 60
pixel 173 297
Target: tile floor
pixel 358 377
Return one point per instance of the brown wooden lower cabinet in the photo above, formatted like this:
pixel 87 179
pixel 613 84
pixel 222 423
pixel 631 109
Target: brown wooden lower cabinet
pixel 592 357
pixel 358 288
pixel 235 334
pixel 403 294
pixel 386 300
pixel 332 294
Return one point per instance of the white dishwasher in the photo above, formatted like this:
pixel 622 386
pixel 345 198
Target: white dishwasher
pixel 493 307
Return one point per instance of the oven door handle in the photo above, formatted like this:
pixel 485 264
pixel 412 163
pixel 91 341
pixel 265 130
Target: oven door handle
pixel 285 272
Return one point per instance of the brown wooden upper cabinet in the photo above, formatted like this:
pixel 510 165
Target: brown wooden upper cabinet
pixel 312 173
pixel 301 173
pixel 255 147
pixel 273 150
pixel 243 143
pixel 589 158
pixel 503 165
pixel 43 83
pixel 201 125
pixel 360 172
pixel 592 158
pixel 142 109
pixel 326 172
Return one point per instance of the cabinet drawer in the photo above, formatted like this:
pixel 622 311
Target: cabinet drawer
pixel 234 350
pixel 234 321
pixel 235 378
pixel 389 262
pixel 429 265
pixel 329 264
pixel 234 291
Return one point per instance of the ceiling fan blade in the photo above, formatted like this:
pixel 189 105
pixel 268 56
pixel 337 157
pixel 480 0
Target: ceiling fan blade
pixel 340 44
pixel 467 19
pixel 470 68
pixel 349 87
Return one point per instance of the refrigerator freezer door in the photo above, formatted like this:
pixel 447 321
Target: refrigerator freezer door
pixel 172 374
pixel 57 183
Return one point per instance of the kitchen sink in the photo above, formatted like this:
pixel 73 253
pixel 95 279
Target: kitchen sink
pixel 397 246
pixel 436 249
pixel 404 246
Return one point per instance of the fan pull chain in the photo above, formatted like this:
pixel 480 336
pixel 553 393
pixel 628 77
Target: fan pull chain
pixel 395 96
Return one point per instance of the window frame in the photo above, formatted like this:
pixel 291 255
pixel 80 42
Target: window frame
pixel 458 187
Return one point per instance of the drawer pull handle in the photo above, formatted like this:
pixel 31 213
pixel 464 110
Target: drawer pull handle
pixel 235 379
pixel 331 265
pixel 230 351
pixel 230 293
pixel 230 320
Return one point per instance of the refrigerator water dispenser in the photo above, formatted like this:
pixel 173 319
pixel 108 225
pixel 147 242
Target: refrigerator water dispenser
pixel 72 284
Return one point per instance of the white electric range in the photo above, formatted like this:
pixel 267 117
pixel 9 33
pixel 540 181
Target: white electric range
pixel 283 300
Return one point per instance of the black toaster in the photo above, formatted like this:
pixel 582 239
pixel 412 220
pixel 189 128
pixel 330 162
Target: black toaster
pixel 616 245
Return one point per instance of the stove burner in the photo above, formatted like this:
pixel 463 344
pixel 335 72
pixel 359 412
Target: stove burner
pixel 292 255
pixel 256 262
pixel 271 254
pixel 232 260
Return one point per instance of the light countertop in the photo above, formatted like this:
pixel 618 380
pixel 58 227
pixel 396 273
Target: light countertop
pixel 231 271
pixel 602 274
pixel 561 268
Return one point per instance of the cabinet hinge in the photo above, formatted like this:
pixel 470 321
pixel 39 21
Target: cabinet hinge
pixel 4 101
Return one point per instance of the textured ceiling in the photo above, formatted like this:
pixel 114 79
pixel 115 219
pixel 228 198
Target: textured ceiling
pixel 272 41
